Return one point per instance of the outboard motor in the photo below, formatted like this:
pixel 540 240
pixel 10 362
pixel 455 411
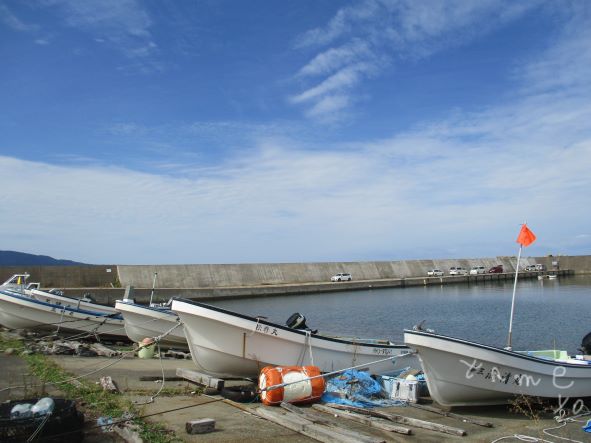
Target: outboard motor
pixel 298 321
pixel 586 344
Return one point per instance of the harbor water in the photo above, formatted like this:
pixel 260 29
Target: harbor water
pixel 548 313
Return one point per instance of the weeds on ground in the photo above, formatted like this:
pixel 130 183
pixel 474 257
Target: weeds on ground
pixel 91 397
pixel 156 433
pixel 533 408
pixel 10 341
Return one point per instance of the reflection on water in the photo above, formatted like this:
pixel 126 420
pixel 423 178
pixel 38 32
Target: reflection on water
pixel 548 313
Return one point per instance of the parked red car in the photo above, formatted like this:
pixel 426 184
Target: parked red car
pixel 496 269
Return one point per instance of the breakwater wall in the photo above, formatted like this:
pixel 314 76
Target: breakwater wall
pixel 91 276
pixel 229 275
pixel 264 274
pixel 108 296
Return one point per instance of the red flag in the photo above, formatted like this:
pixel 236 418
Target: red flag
pixel 525 237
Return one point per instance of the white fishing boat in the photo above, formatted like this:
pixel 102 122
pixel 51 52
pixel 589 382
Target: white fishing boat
pixel 21 311
pixel 18 284
pixel 227 344
pixel 151 321
pixel 464 373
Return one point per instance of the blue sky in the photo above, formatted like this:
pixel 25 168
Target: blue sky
pixel 151 132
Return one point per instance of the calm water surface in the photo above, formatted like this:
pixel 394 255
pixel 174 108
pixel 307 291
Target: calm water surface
pixel 548 313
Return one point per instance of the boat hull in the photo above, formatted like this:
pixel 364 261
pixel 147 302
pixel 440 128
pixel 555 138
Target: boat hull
pixel 227 344
pixel 21 312
pixel 143 321
pixel 51 297
pixel 463 373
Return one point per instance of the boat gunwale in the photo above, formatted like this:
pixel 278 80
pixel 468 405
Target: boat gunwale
pixel 287 328
pixel 496 349
pixel 167 312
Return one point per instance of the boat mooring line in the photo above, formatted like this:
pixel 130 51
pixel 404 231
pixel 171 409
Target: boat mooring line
pixel 123 354
pixel 152 397
pixel 133 417
pixel 563 421
pixel 281 385
pixel 82 335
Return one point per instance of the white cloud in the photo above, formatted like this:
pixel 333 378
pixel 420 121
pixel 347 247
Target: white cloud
pixel 335 58
pixel 345 19
pixel 328 106
pixel 376 33
pixel 459 187
pixel 343 79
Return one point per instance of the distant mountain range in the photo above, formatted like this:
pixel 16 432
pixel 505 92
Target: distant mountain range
pixel 13 258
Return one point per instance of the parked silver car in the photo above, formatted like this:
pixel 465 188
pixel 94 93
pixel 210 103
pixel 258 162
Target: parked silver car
pixel 341 277
pixel 435 273
pixel 458 270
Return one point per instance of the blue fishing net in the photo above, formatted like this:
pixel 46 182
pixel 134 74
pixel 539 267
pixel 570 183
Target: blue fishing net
pixel 356 388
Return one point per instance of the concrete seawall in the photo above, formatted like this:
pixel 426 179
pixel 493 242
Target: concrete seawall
pixel 142 295
pixel 220 276
pixel 245 278
pixel 91 276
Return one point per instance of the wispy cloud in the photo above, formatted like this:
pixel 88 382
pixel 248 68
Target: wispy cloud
pixel 366 38
pixel 336 58
pixel 123 24
pixel 341 80
pixel 11 20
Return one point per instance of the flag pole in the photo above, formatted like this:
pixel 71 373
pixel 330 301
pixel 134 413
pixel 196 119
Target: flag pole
pixel 513 300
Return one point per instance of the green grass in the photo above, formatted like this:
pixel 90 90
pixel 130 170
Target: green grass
pixel 91 397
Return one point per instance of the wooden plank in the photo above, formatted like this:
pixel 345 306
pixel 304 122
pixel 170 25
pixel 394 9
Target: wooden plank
pixel 159 377
pixel 200 378
pixel 462 418
pixel 314 418
pixel 404 420
pixel 320 419
pixel 364 419
pixel 316 431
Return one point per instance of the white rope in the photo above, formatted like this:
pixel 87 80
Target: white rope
pixel 123 354
pixel 309 340
pixel 40 427
pixel 61 320
pixel 281 385
pixel 151 400
pixel 164 334
pixel 563 421
pixel 523 438
pixel 251 333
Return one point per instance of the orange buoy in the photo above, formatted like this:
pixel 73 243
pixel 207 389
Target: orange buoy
pixel 299 389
